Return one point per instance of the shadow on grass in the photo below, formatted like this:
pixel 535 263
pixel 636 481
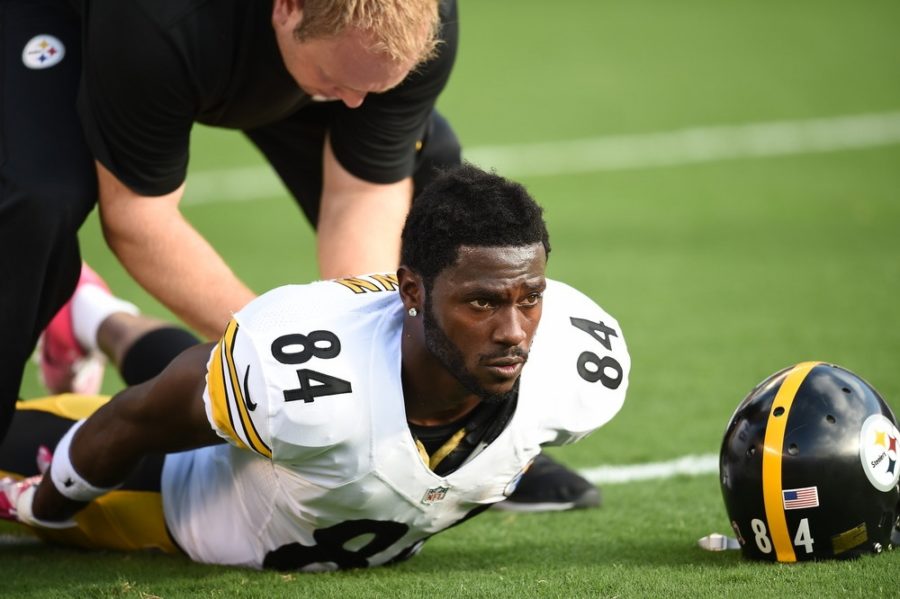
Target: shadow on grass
pixel 549 553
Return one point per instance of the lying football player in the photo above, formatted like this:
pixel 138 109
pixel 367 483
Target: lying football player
pixel 359 416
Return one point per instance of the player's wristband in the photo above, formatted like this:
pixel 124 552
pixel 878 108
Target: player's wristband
pixel 26 516
pixel 67 481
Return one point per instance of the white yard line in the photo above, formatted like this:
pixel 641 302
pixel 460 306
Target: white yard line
pixel 689 465
pixel 692 146
pixel 613 153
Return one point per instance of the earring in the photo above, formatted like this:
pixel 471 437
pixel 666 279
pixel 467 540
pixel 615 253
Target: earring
pixel 413 312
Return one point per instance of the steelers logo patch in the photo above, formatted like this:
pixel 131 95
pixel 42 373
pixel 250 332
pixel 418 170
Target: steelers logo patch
pixel 878 450
pixel 42 52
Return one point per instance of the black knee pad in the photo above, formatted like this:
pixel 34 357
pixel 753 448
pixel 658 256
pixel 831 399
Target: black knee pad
pixel 150 354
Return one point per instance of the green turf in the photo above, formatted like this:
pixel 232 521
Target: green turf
pixel 719 273
pixel 642 544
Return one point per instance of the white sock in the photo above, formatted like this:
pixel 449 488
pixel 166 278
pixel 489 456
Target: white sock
pixel 91 305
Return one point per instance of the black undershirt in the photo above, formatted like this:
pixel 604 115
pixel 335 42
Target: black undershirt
pixel 483 424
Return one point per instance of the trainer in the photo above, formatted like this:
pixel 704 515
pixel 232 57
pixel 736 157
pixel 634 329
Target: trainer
pixel 99 98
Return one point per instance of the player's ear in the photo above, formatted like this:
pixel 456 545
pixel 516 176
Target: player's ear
pixel 411 288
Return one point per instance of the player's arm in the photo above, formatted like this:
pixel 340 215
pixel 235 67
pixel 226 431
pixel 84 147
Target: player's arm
pixel 165 414
pixel 359 222
pixel 168 257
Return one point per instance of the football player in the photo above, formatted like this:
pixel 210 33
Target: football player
pixel 359 416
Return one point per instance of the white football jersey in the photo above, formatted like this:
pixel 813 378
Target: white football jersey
pixel 321 470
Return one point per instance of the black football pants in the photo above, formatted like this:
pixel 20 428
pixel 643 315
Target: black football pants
pixel 47 183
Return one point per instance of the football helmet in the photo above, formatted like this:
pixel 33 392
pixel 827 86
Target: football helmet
pixel 809 467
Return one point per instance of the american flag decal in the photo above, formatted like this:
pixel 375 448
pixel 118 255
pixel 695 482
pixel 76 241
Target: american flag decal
pixel 798 499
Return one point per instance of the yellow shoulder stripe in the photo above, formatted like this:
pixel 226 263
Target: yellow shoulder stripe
pixel 773 447
pixel 256 443
pixel 388 281
pixel 218 396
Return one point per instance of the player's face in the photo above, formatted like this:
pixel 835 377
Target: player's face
pixel 482 313
pixel 338 68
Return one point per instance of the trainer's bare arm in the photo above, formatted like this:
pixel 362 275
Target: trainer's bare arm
pixel 359 222
pixel 358 231
pixel 168 257
pixel 165 414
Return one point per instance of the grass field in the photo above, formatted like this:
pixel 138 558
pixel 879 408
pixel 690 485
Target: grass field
pixel 721 267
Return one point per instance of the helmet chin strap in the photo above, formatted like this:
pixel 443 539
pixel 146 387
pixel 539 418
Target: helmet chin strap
pixel 718 542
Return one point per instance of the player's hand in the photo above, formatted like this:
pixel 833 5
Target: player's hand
pixel 15 494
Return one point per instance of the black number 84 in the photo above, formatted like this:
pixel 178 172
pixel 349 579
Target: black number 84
pixel 593 368
pixel 317 344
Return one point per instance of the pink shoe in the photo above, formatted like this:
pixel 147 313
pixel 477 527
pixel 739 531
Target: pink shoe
pixel 65 366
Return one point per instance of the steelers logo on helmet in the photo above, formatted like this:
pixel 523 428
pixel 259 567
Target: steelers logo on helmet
pixel 878 442
pixel 808 467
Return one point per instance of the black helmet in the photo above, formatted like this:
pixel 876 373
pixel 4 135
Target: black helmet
pixel 809 467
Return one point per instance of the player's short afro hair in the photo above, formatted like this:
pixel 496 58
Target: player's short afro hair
pixel 466 206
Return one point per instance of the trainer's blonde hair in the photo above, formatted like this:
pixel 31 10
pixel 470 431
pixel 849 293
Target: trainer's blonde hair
pixel 404 30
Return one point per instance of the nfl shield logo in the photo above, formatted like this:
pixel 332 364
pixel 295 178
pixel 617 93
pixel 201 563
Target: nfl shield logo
pixel 434 495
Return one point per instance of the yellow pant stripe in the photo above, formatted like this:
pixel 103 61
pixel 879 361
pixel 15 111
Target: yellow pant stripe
pixel 67 405
pixel 773 449
pixel 121 521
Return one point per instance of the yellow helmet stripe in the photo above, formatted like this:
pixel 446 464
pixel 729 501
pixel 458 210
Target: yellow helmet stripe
pixel 773 448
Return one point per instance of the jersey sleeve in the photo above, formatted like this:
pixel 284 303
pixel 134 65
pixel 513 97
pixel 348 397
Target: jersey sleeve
pixel 135 102
pixel 578 368
pixel 237 404
pixel 377 141
pixel 292 374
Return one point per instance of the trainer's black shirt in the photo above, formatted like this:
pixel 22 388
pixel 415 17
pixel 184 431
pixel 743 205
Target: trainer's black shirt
pixel 152 68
